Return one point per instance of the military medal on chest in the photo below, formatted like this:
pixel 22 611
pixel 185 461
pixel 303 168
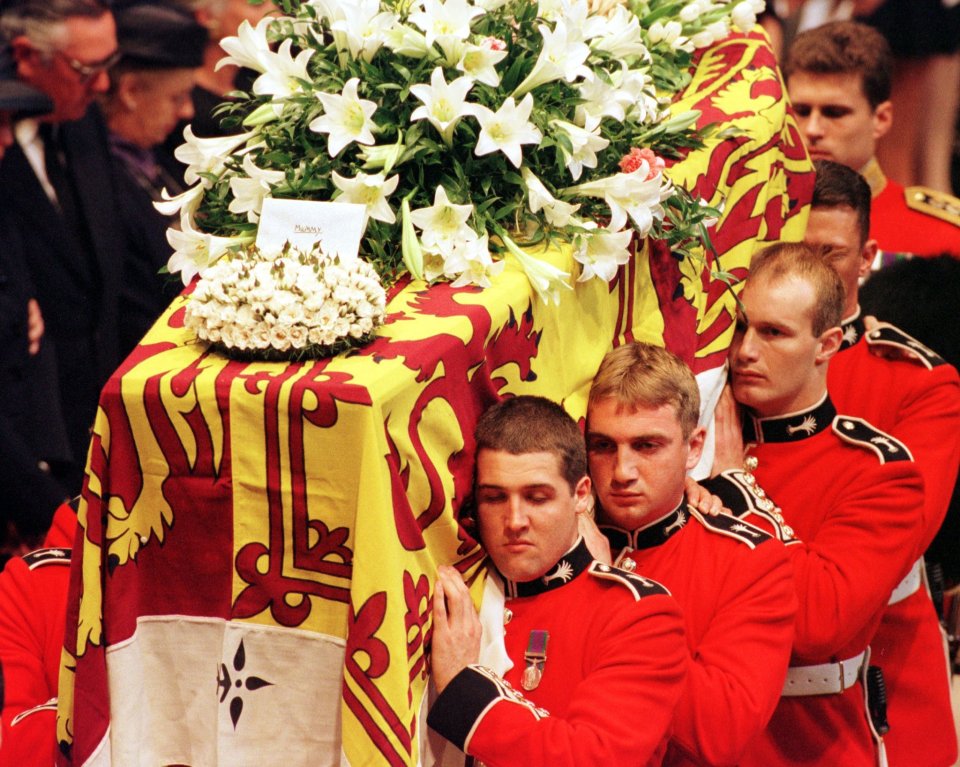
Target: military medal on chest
pixel 534 659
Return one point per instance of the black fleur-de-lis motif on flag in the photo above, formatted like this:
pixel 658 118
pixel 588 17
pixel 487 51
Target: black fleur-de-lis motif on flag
pixel 226 683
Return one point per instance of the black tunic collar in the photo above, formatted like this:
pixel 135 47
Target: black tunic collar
pixel 651 534
pixel 792 427
pixel 571 564
pixel 853 330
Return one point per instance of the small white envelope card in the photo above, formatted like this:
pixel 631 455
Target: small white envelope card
pixel 337 226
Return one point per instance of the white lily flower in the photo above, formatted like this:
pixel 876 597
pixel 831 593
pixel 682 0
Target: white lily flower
pixel 551 10
pixel 450 19
pixel 472 264
pixel 406 41
pixel 247 49
pixel 444 104
pixel 586 142
pixel 364 27
pixel 263 114
pixel 627 194
pixel 491 5
pixel 602 252
pixel 622 36
pixel 506 129
pixel 480 63
pixel 346 117
pixel 601 99
pixel 443 224
pixel 248 193
pixel 639 89
pixel 282 71
pixel 194 251
pixel 561 58
pixel 545 279
pixel 370 190
pixel 557 212
pixel 207 155
pixel 434 264
pixel 582 24
pixel 410 246
pixel 185 203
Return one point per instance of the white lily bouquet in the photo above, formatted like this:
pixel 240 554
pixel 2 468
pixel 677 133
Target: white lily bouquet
pixel 468 131
pixel 291 305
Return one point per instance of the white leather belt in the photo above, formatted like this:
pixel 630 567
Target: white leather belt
pixel 823 679
pixel 909 585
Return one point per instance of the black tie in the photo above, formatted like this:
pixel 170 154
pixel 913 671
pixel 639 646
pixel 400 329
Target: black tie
pixel 61 179
pixel 57 174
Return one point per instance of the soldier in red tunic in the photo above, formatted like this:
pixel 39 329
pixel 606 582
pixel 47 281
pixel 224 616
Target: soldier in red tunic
pixel 733 581
pixel 851 500
pixel 838 78
pixel 33 606
pixel 598 655
pixel 915 396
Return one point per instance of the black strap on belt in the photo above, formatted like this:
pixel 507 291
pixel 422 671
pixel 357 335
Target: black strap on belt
pixel 877 700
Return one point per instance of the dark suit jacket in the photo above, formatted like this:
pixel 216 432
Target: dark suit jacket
pixel 77 287
pixel 31 424
pixel 145 292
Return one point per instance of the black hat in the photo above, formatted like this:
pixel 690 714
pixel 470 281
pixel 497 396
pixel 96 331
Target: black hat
pixel 16 96
pixel 160 37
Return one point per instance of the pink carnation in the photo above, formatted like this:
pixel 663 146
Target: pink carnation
pixel 493 44
pixel 632 161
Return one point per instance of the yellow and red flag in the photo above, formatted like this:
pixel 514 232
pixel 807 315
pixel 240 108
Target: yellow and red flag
pixel 258 541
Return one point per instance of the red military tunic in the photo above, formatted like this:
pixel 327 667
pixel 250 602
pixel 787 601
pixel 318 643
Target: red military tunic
pixel 915 220
pixel 916 400
pixel 33 604
pixel 735 586
pixel 614 670
pixel 852 497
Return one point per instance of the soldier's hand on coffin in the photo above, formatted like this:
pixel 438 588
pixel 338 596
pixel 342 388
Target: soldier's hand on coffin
pixel 456 628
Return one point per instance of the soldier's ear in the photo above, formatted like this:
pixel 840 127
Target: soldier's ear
pixel 696 440
pixel 868 254
pixel 882 119
pixel 829 343
pixel 583 494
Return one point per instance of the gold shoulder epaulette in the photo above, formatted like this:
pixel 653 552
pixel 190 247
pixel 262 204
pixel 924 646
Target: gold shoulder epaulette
pixel 934 203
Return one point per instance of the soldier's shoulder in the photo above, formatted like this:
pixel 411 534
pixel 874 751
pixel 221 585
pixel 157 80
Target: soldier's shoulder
pixel 861 433
pixel 887 336
pixel 934 203
pixel 638 585
pixel 47 557
pixel 732 527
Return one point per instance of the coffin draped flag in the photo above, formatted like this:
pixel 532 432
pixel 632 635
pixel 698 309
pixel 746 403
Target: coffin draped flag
pixel 252 577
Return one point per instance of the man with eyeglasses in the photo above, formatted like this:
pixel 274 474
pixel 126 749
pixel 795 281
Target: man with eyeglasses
pixel 57 184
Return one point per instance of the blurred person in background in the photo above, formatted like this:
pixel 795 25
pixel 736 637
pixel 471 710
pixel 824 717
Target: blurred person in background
pixel 222 18
pixel 150 92
pixel 33 444
pixel 924 36
pixel 838 77
pixel 58 185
